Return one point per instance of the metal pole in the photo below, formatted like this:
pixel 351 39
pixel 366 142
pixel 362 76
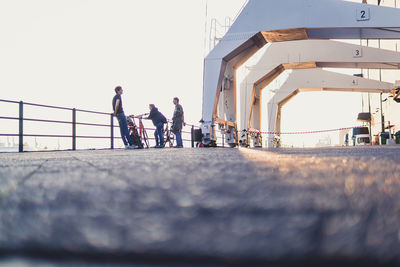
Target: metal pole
pixel 112 131
pixel 74 129
pixel 382 117
pixel 369 110
pixel 21 126
pixel 192 131
pixel 223 138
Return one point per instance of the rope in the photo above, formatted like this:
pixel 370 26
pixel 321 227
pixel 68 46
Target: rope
pixel 302 133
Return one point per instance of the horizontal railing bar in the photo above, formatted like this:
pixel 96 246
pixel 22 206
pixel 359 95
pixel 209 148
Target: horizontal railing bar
pixel 94 112
pixel 55 107
pixel 92 137
pixel 95 124
pixel 48 135
pixel 64 122
pixel 9 118
pixel 51 121
pixel 47 106
pixel 9 101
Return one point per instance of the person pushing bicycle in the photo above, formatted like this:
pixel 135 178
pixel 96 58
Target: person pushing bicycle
pixel 158 120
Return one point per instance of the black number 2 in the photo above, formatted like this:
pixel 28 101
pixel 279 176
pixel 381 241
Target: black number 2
pixel 363 14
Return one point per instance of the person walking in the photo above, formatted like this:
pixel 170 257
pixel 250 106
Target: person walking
pixel 119 113
pixel 177 122
pixel 158 120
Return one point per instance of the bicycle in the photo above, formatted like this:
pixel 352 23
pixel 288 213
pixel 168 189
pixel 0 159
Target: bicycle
pixel 142 130
pixel 168 136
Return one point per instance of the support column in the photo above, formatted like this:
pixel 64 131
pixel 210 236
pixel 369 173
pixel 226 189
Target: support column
pixel 21 127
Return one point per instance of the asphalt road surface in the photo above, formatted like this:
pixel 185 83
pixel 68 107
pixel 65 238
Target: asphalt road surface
pixel 201 207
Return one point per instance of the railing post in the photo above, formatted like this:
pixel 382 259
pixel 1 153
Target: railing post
pixel 74 129
pixel 192 131
pixel 112 131
pixel 21 126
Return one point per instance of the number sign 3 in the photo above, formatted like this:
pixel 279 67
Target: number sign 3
pixel 357 52
pixel 363 14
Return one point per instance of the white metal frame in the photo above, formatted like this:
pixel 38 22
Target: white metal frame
pixel 308 80
pixel 282 56
pixel 263 21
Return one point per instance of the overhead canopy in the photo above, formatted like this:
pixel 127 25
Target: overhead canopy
pixel 287 20
pixel 307 80
pixel 307 54
pixel 263 21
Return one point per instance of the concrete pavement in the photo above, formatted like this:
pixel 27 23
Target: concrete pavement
pixel 206 207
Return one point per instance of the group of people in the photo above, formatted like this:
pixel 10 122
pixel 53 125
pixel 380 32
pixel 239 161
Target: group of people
pixel 157 118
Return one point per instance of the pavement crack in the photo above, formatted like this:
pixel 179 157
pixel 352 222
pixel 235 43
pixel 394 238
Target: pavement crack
pixel 94 166
pixel 6 193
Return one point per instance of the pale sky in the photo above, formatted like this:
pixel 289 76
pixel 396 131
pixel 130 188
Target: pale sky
pixel 74 52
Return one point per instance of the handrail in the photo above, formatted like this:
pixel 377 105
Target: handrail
pixel 60 122
pixel 93 112
pixel 9 101
pixel 74 123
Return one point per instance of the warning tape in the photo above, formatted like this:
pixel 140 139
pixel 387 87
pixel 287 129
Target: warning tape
pixel 301 133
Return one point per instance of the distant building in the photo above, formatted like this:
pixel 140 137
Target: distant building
pixel 324 142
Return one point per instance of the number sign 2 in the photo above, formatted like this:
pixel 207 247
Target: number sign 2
pixel 363 14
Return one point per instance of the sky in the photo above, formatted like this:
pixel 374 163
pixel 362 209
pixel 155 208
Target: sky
pixel 74 52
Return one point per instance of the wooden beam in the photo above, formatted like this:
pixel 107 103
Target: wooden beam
pixel 269 77
pixel 359 90
pixel 285 35
pixel 300 65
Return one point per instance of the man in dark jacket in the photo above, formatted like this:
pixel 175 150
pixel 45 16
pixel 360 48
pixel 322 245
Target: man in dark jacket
pixel 177 122
pixel 119 113
pixel 158 120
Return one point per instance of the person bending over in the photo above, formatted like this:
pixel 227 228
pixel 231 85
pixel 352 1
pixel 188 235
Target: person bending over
pixel 158 120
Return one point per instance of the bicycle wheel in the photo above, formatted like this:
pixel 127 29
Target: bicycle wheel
pixel 145 138
pixel 168 137
pixel 171 138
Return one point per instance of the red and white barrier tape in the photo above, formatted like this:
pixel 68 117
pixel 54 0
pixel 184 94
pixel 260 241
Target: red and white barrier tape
pixel 301 133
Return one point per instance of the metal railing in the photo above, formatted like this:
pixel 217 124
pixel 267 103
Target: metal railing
pixel 74 123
